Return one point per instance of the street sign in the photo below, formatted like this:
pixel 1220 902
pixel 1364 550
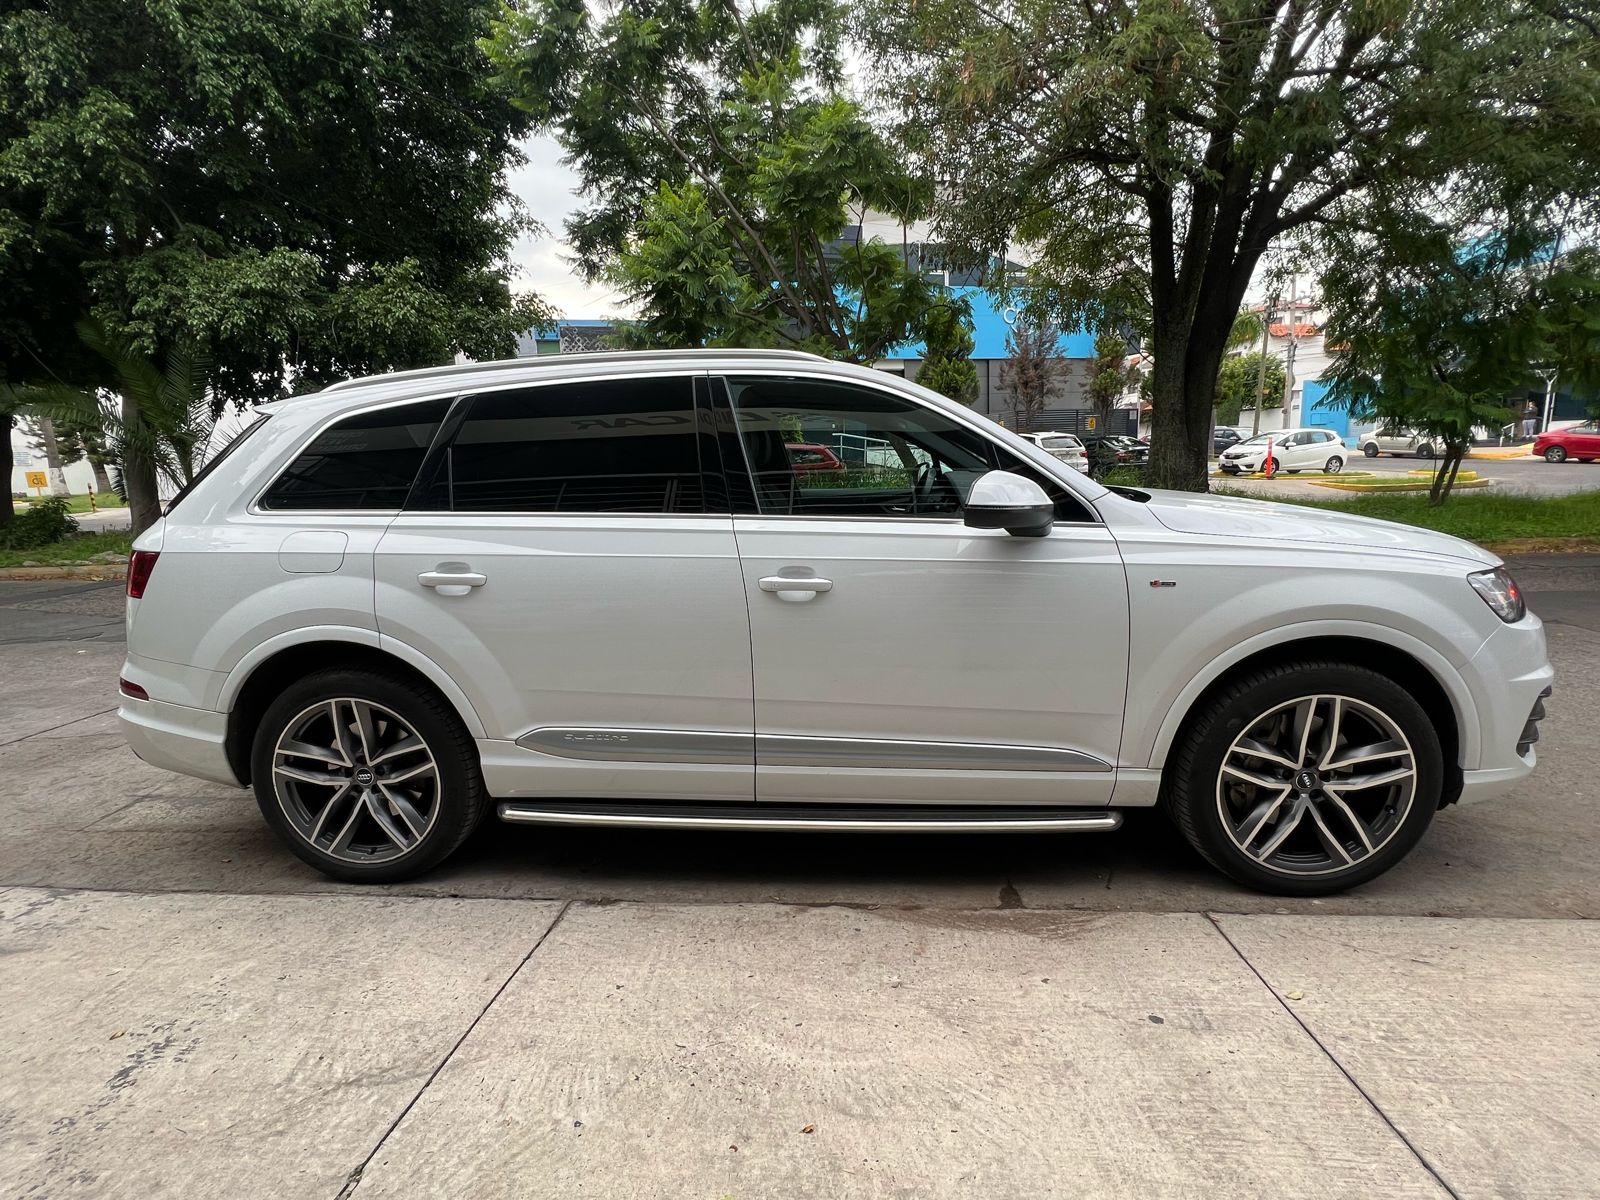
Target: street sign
pixel 38 479
pixel 1089 423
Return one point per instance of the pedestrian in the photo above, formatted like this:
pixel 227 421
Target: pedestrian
pixel 1530 419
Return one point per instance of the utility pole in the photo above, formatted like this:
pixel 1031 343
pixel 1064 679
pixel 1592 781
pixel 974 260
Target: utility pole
pixel 1261 374
pixel 1288 370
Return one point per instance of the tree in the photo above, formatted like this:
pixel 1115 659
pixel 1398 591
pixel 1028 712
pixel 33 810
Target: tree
pixel 1248 381
pixel 299 192
pixel 1110 375
pixel 947 366
pixel 1438 334
pixel 1151 153
pixel 1034 366
pixel 730 173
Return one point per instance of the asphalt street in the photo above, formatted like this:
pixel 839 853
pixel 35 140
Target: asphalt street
pixel 186 1009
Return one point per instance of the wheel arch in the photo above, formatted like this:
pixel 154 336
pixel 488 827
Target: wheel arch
pixel 253 685
pixel 1415 666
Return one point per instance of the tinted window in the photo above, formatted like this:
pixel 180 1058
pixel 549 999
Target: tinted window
pixel 367 461
pixel 899 458
pixel 622 445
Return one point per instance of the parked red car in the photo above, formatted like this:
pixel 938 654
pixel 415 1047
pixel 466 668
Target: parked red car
pixel 1581 442
pixel 807 456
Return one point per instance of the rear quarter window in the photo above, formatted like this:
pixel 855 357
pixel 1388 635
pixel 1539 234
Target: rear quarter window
pixel 364 462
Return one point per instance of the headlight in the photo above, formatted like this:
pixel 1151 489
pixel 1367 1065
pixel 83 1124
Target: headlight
pixel 1500 592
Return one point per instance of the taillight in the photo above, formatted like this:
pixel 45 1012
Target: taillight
pixel 132 689
pixel 139 568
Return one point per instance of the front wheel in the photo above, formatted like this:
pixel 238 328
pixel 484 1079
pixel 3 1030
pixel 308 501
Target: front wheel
pixel 367 777
pixel 1555 454
pixel 1425 451
pixel 1370 450
pixel 1334 465
pixel 1306 779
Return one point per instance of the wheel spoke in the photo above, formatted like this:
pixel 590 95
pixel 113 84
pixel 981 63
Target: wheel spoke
pixel 402 804
pixel 334 802
pixel 1266 811
pixel 342 841
pixel 409 744
pixel 1356 823
pixel 292 749
pixel 1288 825
pixel 1260 781
pixel 1304 717
pixel 387 823
pixel 1330 743
pixel 1377 751
pixel 341 731
pixel 1325 835
pixel 412 773
pixel 320 778
pixel 1358 783
pixel 1257 749
pixel 364 730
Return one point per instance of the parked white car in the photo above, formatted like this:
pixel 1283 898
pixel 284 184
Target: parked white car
pixel 1291 450
pixel 594 590
pixel 1064 446
pixel 1406 442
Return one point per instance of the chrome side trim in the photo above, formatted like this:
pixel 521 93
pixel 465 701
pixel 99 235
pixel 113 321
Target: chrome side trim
pixel 642 745
pixel 521 813
pixel 782 750
pixel 882 754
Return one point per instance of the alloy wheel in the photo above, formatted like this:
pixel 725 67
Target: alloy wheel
pixel 1334 465
pixel 356 781
pixel 1316 785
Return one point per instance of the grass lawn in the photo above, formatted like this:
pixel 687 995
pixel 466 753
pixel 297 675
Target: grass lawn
pixel 84 545
pixel 78 504
pixel 1482 517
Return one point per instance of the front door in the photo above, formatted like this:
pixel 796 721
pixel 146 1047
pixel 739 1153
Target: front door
pixel 901 657
pixel 562 564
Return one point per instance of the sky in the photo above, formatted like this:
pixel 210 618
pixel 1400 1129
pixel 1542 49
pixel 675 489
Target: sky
pixel 547 188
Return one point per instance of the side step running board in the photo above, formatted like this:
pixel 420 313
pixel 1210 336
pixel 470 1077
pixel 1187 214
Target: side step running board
pixel 853 818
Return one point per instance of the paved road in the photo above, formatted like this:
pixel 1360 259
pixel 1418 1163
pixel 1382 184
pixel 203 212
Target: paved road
pixel 185 1009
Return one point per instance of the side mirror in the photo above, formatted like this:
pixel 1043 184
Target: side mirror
pixel 1001 500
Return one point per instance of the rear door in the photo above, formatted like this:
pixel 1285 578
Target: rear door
pixel 901 657
pixel 562 562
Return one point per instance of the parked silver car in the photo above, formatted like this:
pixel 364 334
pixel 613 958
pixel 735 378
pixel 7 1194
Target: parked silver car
pixel 1405 442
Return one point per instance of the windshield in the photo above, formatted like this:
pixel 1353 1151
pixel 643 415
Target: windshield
pixel 1261 439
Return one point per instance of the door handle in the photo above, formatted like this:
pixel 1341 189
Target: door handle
pixel 795 587
pixel 452 582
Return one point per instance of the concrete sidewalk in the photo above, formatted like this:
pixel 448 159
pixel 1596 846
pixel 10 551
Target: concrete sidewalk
pixel 253 1046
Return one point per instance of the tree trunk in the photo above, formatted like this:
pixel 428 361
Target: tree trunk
pixel 7 511
pixel 1444 479
pixel 138 470
pixel 52 458
pixel 102 479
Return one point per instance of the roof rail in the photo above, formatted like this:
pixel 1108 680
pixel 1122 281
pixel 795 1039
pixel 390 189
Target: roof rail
pixel 601 356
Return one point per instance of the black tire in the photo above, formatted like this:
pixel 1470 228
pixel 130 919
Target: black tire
pixel 1193 787
pixel 1334 465
pixel 1270 467
pixel 1425 450
pixel 457 799
pixel 1556 454
pixel 1370 450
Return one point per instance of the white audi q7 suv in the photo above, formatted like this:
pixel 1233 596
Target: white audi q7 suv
pixel 595 590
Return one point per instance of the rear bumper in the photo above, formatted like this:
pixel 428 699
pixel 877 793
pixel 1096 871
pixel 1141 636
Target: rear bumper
pixel 190 741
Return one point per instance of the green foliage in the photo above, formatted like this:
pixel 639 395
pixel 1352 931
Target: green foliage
pixel 725 164
pixel 1440 334
pixel 300 190
pixel 45 521
pixel 1482 516
pixel 1110 375
pixel 1238 381
pixel 1151 153
pixel 75 548
pixel 947 366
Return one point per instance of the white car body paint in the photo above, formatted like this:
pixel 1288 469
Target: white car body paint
pixel 1030 671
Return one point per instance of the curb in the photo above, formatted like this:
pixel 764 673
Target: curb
pixel 1547 545
pixel 1524 451
pixel 98 572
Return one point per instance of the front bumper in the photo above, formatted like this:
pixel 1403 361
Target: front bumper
pixel 190 741
pixel 1516 679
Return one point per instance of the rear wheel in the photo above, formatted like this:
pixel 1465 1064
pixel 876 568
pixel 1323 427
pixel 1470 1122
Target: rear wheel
pixel 1306 779
pixel 1555 454
pixel 1334 465
pixel 366 777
